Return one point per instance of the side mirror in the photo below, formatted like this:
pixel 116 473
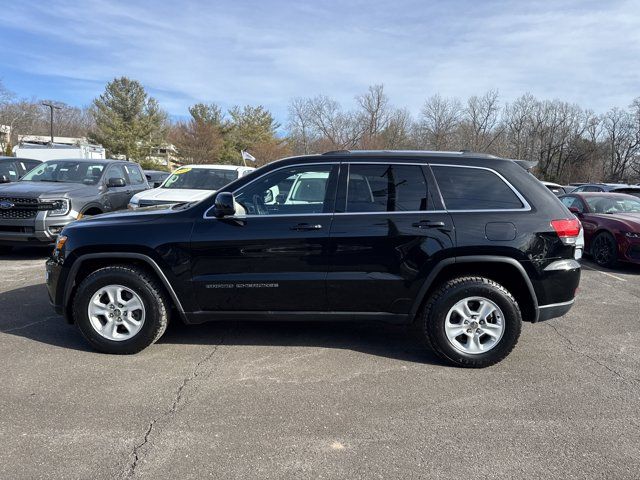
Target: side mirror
pixel 225 205
pixel 576 211
pixel 4 179
pixel 116 182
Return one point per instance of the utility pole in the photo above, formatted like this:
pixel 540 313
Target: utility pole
pixel 52 107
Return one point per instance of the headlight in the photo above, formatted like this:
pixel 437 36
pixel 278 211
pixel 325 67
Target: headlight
pixel 58 208
pixel 632 234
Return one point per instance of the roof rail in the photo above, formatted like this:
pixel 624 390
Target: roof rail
pixel 333 152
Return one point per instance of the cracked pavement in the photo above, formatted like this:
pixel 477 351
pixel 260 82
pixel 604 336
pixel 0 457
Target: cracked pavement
pixel 283 400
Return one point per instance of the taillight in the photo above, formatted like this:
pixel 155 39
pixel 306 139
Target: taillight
pixel 568 230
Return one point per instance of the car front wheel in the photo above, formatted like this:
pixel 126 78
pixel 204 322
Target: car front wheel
pixel 120 309
pixel 605 250
pixel 471 322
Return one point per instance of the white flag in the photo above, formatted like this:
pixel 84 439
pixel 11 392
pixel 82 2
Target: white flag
pixel 247 156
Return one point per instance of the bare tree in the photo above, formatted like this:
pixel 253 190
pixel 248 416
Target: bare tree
pixel 373 117
pixel 621 141
pixel 439 121
pixel 481 116
pixel 397 134
pixel 299 125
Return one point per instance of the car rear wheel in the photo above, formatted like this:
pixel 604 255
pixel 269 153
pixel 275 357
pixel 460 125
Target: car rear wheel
pixel 120 309
pixel 471 322
pixel 604 250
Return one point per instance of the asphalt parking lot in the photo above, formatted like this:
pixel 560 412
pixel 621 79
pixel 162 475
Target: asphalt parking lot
pixel 278 400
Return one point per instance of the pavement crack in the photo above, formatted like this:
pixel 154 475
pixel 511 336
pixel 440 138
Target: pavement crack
pixel 22 327
pixel 136 454
pixel 572 347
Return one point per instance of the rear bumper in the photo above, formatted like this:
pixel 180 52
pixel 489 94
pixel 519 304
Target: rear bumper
pixel 554 310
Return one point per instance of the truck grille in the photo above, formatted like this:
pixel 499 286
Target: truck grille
pixel 22 208
pixel 152 203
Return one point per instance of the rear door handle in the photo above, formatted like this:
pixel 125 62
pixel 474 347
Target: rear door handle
pixel 301 227
pixel 428 224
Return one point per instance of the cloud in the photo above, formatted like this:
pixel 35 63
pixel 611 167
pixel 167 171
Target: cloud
pixel 267 52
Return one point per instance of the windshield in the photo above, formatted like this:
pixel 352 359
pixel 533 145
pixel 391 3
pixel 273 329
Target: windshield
pixel 200 178
pixel 66 171
pixel 613 205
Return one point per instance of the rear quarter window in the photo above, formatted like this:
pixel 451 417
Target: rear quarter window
pixel 467 188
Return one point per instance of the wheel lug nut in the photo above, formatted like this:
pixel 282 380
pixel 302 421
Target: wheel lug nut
pixel 469 330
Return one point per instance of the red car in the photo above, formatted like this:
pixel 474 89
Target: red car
pixel 611 223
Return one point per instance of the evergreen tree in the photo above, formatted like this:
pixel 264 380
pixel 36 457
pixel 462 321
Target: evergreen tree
pixel 127 121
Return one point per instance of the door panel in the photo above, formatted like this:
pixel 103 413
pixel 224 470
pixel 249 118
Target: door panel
pixel 261 263
pixel 386 240
pixel 273 254
pixel 379 261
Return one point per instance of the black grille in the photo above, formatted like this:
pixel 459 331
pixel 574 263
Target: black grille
pixel 634 252
pixel 20 201
pixel 18 214
pixel 22 208
pixel 151 203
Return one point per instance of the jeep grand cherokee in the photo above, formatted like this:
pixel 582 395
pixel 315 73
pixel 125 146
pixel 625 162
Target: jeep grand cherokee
pixel 463 246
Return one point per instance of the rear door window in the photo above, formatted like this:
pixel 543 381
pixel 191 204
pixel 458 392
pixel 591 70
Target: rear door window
pixel 467 188
pixel 387 188
pixel 135 176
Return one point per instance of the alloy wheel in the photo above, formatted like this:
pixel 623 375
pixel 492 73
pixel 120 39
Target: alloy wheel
pixel 116 312
pixel 474 325
pixel 603 250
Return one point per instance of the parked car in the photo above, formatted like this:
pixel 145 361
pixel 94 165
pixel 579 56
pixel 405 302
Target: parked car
pixel 609 187
pixel 611 223
pixel 13 169
pixel 190 183
pixel 38 206
pixel 556 188
pixel 464 246
pixel 155 177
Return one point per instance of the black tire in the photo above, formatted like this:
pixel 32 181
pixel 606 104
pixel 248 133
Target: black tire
pixel 5 249
pixel 604 250
pixel 145 286
pixel 434 314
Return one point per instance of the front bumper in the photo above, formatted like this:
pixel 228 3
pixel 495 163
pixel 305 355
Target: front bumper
pixel 629 249
pixel 41 229
pixel 53 269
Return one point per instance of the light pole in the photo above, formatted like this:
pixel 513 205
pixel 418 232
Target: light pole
pixel 52 107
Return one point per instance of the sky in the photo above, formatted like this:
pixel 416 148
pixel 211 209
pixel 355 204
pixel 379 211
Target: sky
pixel 267 52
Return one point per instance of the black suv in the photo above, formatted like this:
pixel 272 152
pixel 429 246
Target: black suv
pixel 464 246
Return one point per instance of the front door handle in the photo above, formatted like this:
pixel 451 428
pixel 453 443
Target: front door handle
pixel 301 227
pixel 428 224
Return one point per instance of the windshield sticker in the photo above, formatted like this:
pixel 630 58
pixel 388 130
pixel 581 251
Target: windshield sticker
pixel 181 170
